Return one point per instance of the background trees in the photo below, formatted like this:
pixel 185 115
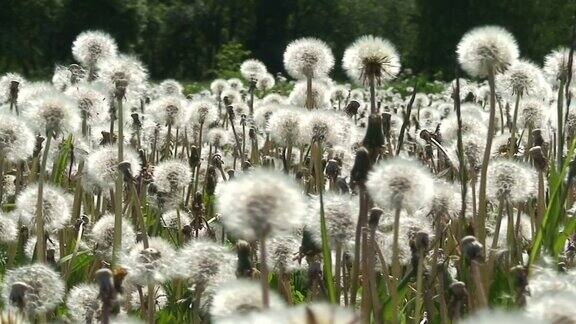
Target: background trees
pixel 197 39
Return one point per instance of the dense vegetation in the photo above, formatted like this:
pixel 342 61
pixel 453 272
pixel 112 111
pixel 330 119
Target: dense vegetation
pixel 182 38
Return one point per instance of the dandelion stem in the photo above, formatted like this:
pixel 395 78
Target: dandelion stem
pixel 118 193
pixel 40 238
pixel 264 274
pixel 395 264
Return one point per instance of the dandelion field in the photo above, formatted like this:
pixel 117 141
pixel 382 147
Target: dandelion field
pixel 267 199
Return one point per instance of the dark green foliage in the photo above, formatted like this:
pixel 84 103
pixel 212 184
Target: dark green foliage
pixel 202 39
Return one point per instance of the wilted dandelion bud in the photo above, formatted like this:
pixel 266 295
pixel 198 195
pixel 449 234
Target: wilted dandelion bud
pixel 540 161
pixel 421 241
pixel 260 203
pixel 92 46
pixel 486 50
pixel 472 249
pixel 36 287
pixel 374 217
pixel 371 57
pixel 56 207
pixel 400 183
pixel 308 58
pixel 10 84
pixel 352 108
pixel 240 297
pixel 359 172
pixel 374 138
pixel 16 139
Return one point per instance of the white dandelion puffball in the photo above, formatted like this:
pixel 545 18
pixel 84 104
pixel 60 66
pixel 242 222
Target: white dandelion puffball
pixel 172 175
pixel 320 95
pixel 169 110
pixel 322 313
pixel 371 56
pixel 252 69
pixel 400 183
pixel 45 289
pixel 153 264
pixel 241 297
pixel 51 244
pixel 93 46
pixel 556 65
pixel 8 229
pixel 487 48
pixel 218 86
pixel 203 112
pixel 284 126
pixel 102 165
pixel 320 126
pixel 101 236
pixel 17 141
pixel 490 317
pixel 510 180
pixel 204 261
pixel 281 251
pixel 56 207
pixel 308 58
pixel 170 87
pixel 235 84
pixel 91 100
pixel 175 219
pixel 260 203
pixel 83 303
pixel 122 67
pixel 53 112
pixel 523 78
pixel 217 137
pixel 265 82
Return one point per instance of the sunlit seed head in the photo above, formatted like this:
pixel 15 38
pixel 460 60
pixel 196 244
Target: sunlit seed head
pixel 8 228
pixel 92 46
pixel 252 69
pixel 522 78
pixel 485 49
pixel 155 263
pixel 260 203
pixel 61 78
pixel 446 202
pixel 6 83
pixel 92 101
pixel 308 58
pixel 556 65
pixel 172 175
pixel 274 98
pixel 51 244
pixel 282 251
pixel 44 288
pixel 240 297
pixel 509 180
pixel 205 261
pixel 371 57
pixel 533 113
pixel 56 207
pixel 232 95
pixel 488 317
pixel 400 183
pixel 263 113
pixel 340 213
pixel 169 110
pixel 285 127
pixel 203 112
pixel 83 303
pixel 320 95
pixel 217 137
pixel 235 84
pixel 122 68
pixel 265 82
pixel 320 126
pixel 170 87
pixel 101 236
pixel 218 86
pixel 339 93
pixel 53 112
pixel 102 165
pixel 323 313
pixel 16 140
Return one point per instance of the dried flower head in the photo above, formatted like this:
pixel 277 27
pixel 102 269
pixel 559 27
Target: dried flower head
pixel 308 58
pixel 487 49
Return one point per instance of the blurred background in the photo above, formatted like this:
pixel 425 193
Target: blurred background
pixel 201 39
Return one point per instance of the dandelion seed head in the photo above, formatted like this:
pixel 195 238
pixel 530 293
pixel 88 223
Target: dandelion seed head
pixel 263 114
pixel 447 200
pixel 217 137
pixel 56 207
pixel 61 78
pixel 8 229
pixel 83 303
pixel 274 98
pixel 282 250
pixel 204 112
pixel 252 69
pixel 556 65
pixel 400 183
pixel 308 58
pixel 472 123
pixel 232 95
pixel 122 68
pixel 169 110
pixel 91 100
pixel 45 288
pixel 533 113
pixel 265 82
pixel 6 82
pixel 170 87
pixel 487 48
pixel 371 56
pixel 323 313
pixel 320 126
pixel 235 84
pixel 204 261
pixel 101 236
pixel 510 180
pixel 172 175
pixel 17 141
pixel 522 78
pixel 174 219
pixel 260 203
pixel 339 93
pixel 240 297
pixel 320 95
pixel 284 127
pixel 218 86
pixel 92 46
pixel 493 316
pixel 340 216
pixel 102 165
pixel 51 244
pixel 155 263
pixel 160 298
pixel 53 111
